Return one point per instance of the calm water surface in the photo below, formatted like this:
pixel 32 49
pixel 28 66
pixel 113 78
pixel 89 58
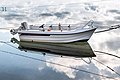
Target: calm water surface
pixel 97 59
pixel 28 64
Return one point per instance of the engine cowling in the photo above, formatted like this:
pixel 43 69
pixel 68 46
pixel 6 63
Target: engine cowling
pixel 13 31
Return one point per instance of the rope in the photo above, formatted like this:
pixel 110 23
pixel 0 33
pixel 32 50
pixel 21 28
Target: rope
pixel 108 54
pixel 4 42
pixel 104 64
pixel 71 58
pixel 57 64
pixel 7 43
pixel 111 28
pixel 51 55
pixel 107 67
pixel 86 61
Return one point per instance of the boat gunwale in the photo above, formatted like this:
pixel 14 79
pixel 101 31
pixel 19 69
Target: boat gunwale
pixel 56 33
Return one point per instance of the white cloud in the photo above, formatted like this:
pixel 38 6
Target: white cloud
pixel 29 10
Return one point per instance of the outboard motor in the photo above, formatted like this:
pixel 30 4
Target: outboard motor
pixel 13 31
pixel 24 26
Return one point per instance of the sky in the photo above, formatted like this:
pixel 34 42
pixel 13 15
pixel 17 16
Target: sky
pixel 103 12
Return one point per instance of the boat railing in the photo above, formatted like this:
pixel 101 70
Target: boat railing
pixel 89 24
pixel 57 26
pixel 53 27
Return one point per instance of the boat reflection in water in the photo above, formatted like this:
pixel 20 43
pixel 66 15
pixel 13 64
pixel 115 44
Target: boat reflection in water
pixel 76 49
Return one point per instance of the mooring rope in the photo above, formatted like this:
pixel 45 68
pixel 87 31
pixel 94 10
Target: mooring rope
pixel 7 43
pixel 62 57
pixel 107 67
pixel 108 54
pixel 111 28
pixel 74 58
pixel 25 56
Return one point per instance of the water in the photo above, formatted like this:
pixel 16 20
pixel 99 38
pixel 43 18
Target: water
pixel 97 59
pixel 29 64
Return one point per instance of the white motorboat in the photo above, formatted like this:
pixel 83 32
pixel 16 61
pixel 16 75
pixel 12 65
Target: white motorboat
pixel 45 33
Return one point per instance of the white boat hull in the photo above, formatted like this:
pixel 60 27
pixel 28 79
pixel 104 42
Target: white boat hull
pixel 56 38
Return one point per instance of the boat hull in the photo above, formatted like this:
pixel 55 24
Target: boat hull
pixel 57 38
